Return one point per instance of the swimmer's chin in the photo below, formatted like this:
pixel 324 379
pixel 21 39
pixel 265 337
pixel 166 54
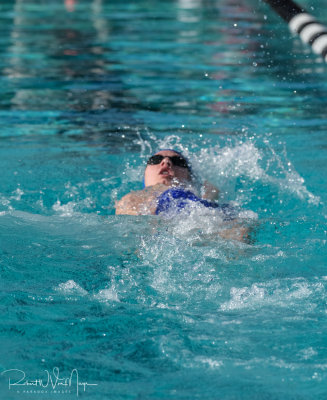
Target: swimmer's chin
pixel 169 181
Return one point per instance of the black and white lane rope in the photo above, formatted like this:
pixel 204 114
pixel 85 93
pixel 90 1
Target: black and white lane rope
pixel 302 23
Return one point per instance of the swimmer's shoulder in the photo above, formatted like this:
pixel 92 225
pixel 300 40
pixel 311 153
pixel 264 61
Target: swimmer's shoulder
pixel 139 202
pixel 128 204
pixel 209 191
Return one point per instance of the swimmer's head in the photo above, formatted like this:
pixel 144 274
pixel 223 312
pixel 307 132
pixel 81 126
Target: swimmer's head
pixel 167 167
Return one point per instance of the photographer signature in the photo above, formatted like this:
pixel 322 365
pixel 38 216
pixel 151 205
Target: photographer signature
pixel 52 380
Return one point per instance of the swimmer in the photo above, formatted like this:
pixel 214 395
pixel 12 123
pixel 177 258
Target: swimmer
pixel 169 187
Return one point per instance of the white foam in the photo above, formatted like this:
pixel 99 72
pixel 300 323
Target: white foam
pixel 65 210
pixel 109 294
pixel 248 215
pixel 17 194
pixel 307 353
pixel 228 162
pixel 244 297
pixel 245 159
pixel 277 293
pixel 212 364
pixel 265 257
pixel 71 288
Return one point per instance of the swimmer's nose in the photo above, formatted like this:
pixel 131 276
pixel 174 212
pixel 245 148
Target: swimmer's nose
pixel 167 161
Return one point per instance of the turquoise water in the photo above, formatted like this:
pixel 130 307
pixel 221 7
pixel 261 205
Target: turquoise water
pixel 142 307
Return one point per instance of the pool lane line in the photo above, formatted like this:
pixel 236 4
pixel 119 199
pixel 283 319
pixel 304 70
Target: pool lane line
pixel 302 23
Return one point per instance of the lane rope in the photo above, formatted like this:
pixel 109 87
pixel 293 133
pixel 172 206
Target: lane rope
pixel 303 24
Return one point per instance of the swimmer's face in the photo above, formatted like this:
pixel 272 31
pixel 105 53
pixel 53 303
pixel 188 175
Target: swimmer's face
pixel 166 172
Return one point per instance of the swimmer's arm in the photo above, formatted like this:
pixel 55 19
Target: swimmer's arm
pixel 238 233
pixel 210 192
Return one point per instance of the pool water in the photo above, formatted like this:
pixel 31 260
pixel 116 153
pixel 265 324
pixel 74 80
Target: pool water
pixel 145 307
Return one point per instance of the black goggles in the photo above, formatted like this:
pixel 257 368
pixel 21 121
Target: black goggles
pixel 178 161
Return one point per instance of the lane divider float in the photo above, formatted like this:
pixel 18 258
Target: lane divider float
pixel 303 24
